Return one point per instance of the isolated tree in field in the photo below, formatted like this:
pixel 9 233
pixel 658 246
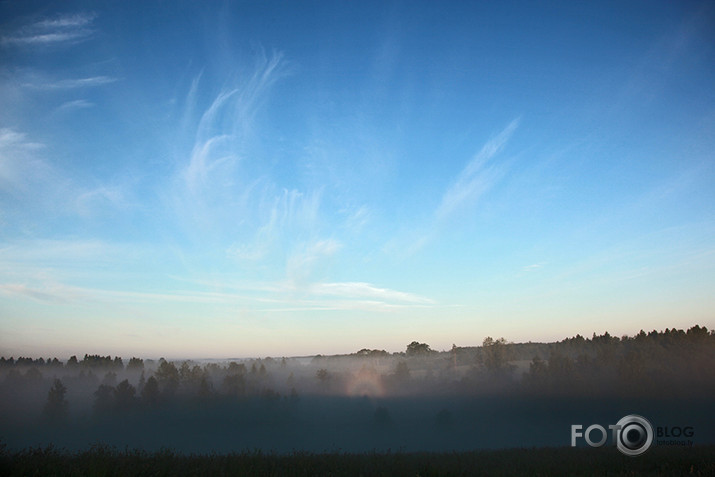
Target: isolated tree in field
pixel 56 407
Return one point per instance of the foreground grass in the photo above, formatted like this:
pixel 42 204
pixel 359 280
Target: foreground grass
pixel 102 460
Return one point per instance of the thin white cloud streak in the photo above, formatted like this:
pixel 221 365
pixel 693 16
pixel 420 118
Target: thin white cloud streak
pixel 367 306
pixel 348 296
pixel 47 38
pixel 476 178
pixel 67 21
pixel 75 105
pixel 533 267
pixel 66 294
pixel 357 219
pixel 89 82
pixel 344 290
pixel 66 29
pixel 367 290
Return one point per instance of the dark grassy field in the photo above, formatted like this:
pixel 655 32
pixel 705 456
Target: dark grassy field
pixel 105 461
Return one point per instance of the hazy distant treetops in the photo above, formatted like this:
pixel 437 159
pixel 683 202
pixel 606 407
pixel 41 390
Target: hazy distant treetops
pixel 418 349
pixel 496 355
pixel 372 353
pixel 568 346
pixel 249 394
pixel 671 361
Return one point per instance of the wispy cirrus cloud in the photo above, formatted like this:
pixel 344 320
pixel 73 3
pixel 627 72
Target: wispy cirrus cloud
pixel 90 201
pixel 72 83
pixel 330 297
pixel 307 261
pixel 37 270
pixel 478 176
pixel 315 295
pixel 364 290
pixel 75 105
pixel 19 164
pixel 68 21
pixel 218 187
pixel 40 269
pixel 226 122
pixel 26 168
pixel 32 292
pixel 227 194
pixel 276 215
pixel 35 253
pixel 533 267
pixel 58 31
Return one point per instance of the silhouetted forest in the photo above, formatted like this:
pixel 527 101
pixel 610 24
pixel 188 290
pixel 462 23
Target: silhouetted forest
pixel 496 395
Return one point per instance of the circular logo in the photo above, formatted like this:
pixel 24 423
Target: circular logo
pixel 634 436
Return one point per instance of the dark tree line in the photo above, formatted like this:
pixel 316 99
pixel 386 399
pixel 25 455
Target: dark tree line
pixel 666 363
pixel 89 361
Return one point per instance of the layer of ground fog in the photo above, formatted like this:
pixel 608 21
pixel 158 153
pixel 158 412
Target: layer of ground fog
pixel 498 395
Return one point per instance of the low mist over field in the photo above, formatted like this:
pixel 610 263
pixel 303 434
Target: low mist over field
pixel 496 395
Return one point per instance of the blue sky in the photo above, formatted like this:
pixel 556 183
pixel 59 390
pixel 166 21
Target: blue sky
pixel 227 179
